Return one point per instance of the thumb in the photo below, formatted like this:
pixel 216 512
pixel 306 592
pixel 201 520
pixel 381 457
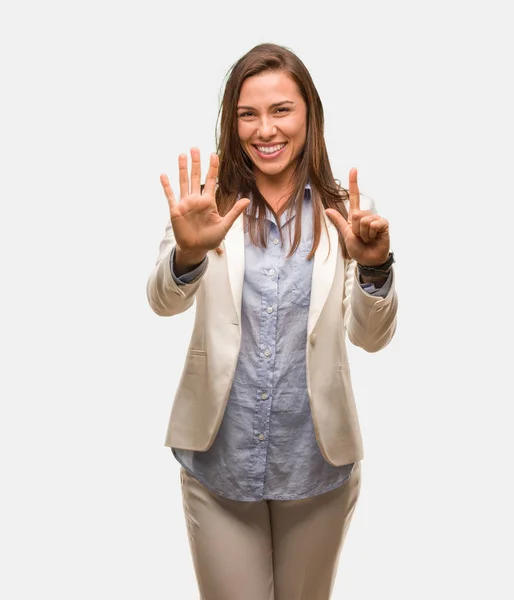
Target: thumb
pixel 234 213
pixel 339 221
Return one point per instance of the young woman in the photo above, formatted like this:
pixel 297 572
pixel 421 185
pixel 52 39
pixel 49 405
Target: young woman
pixel 283 262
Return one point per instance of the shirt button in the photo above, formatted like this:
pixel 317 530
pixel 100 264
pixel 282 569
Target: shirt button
pixel 275 241
pixel 271 272
pixel 267 352
pixel 264 395
pixel 269 310
pixel 261 436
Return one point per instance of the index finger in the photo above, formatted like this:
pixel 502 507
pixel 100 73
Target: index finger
pixel 354 191
pixel 212 175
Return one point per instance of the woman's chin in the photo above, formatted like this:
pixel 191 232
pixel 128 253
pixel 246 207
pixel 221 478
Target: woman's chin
pixel 271 170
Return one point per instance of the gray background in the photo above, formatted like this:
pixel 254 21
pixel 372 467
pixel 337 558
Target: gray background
pixel 98 99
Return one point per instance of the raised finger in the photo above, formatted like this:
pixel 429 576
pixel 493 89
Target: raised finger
pixel 183 176
pixel 196 168
pixel 354 191
pixel 212 176
pixel 170 196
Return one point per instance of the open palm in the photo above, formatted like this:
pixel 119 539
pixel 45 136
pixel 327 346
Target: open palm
pixel 197 225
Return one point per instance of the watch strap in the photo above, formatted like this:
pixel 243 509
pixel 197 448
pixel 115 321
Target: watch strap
pixel 377 270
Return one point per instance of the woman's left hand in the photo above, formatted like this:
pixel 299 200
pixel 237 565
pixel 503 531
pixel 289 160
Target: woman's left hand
pixel 366 234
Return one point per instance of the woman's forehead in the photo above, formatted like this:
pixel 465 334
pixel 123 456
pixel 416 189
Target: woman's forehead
pixel 268 88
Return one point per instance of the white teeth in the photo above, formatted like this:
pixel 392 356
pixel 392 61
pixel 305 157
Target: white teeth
pixel 270 149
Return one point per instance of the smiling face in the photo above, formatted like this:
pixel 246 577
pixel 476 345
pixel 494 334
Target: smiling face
pixel 272 124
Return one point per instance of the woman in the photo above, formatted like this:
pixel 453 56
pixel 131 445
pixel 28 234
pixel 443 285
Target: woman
pixel 264 422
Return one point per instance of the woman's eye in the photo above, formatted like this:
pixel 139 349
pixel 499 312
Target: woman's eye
pixel 281 109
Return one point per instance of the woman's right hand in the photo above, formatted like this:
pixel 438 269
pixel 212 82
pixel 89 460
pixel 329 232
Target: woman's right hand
pixel 196 223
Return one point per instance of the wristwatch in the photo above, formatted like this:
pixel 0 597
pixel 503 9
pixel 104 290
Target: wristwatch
pixel 378 270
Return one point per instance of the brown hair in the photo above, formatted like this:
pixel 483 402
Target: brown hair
pixel 235 167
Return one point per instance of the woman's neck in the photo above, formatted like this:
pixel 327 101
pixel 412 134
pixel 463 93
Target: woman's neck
pixel 275 192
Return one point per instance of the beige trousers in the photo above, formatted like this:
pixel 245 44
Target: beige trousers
pixel 267 550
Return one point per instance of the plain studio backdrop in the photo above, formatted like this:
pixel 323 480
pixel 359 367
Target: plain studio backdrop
pixel 99 98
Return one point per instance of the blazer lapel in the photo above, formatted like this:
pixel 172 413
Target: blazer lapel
pixel 235 254
pixel 323 271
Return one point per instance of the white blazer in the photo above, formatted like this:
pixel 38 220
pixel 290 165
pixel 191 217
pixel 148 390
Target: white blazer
pixel 338 306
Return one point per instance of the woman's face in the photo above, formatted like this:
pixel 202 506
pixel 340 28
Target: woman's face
pixel 272 122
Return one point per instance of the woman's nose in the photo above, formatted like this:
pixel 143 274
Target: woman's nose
pixel 267 128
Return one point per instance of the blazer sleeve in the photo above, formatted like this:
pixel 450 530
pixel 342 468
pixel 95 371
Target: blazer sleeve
pixel 370 321
pixel 165 296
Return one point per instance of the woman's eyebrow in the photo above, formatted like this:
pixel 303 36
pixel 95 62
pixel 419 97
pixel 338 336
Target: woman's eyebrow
pixel 271 106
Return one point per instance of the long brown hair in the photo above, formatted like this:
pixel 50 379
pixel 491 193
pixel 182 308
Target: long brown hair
pixel 236 176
